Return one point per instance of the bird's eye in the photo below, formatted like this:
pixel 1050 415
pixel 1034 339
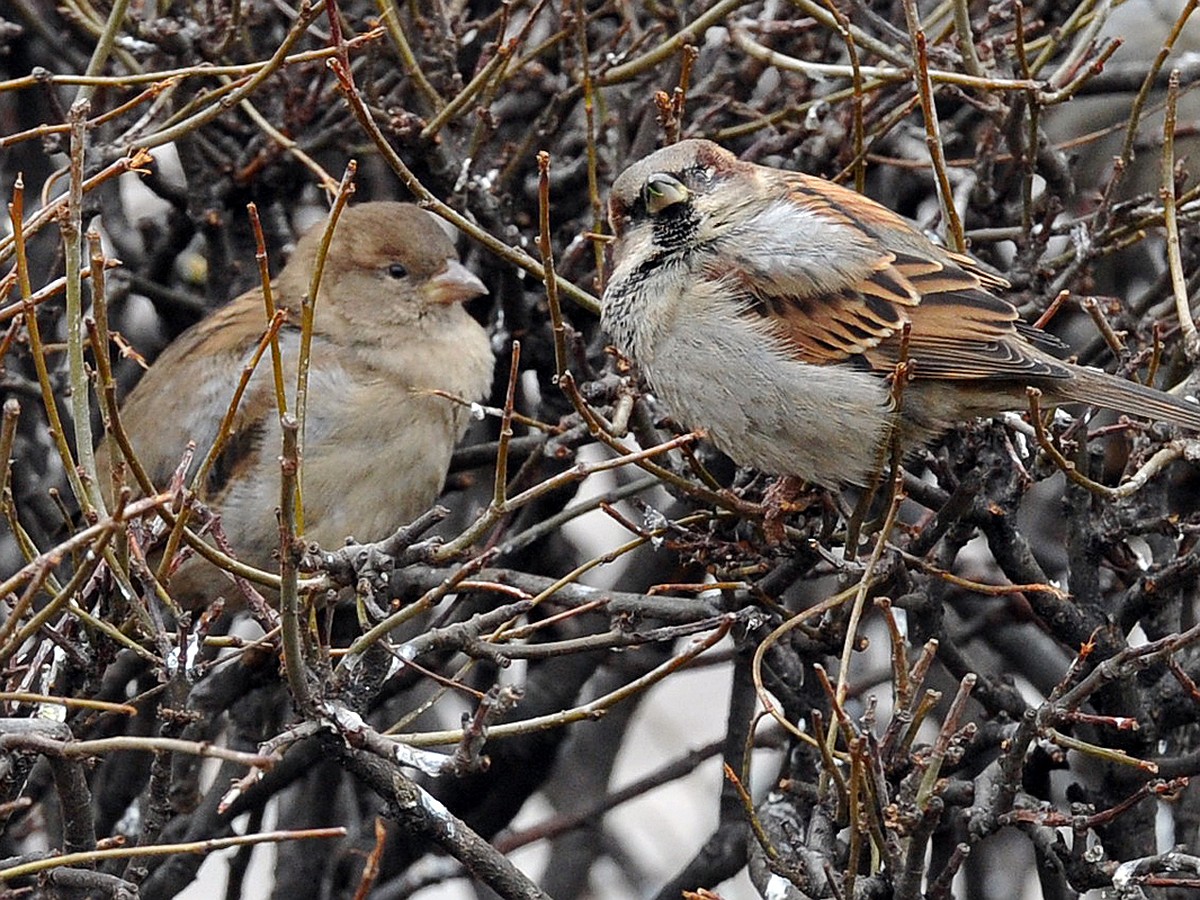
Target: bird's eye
pixel 396 270
pixel 663 191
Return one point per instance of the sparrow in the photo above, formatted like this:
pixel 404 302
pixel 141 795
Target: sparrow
pixel 768 309
pixel 390 329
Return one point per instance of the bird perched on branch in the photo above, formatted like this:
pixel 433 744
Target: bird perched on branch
pixel 389 330
pixel 768 308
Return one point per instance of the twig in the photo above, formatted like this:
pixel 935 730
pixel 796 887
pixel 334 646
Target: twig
pixel 16 212
pixel 264 275
pixel 593 709
pixel 1187 325
pixel 933 136
pixel 547 253
pixel 412 68
pixel 308 14
pixel 689 34
pixel 308 308
pixel 294 656
pixel 1153 466
pixel 113 26
pixel 97 856
pixel 1135 111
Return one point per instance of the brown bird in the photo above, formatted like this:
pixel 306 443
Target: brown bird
pixel 767 307
pixel 389 328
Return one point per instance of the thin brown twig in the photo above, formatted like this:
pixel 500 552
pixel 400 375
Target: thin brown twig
pixel 933 134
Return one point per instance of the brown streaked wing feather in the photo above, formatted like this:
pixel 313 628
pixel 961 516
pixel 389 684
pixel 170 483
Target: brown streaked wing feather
pixel 959 329
pixel 830 328
pixel 934 276
pixel 967 334
pixel 252 423
pixel 1043 340
pixel 251 426
pixel 841 203
pixel 963 330
pixel 229 329
pixel 853 209
pixel 226 339
pixel 861 317
pixel 989 280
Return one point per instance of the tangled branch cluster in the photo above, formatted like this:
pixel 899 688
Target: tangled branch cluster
pixel 996 678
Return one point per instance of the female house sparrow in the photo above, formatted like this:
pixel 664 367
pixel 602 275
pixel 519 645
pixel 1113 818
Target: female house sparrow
pixel 389 328
pixel 767 307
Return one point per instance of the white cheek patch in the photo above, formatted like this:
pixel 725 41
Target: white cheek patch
pixel 636 245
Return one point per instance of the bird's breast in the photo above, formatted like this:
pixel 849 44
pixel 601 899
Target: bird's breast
pixel 725 373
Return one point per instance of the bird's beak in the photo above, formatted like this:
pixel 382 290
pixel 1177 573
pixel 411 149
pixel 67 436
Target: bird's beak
pixel 663 191
pixel 454 284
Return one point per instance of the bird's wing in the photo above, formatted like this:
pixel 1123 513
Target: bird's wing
pixel 958 327
pixel 207 360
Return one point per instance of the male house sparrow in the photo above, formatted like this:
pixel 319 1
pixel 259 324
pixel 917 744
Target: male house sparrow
pixel 767 307
pixel 389 328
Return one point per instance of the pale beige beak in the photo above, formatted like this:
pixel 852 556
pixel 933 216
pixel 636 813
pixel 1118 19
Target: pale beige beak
pixel 454 284
pixel 663 191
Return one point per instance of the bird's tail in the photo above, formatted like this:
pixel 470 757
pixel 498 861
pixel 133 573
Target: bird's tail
pixel 1101 389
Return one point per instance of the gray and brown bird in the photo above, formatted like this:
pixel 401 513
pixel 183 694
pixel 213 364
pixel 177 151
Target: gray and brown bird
pixel 768 308
pixel 391 339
